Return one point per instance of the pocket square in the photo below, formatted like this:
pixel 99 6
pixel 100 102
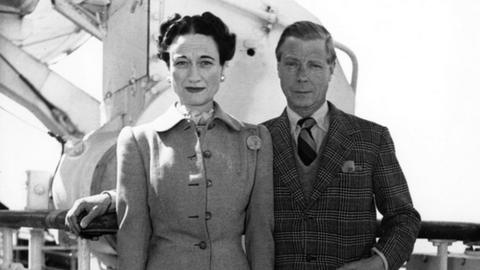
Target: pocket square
pixel 349 166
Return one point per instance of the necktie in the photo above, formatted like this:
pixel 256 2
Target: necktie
pixel 307 148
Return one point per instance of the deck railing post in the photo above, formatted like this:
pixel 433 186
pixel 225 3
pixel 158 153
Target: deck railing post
pixel 83 255
pixel 442 252
pixel 35 252
pixel 7 246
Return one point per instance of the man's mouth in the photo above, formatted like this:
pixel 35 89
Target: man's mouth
pixel 192 89
pixel 301 92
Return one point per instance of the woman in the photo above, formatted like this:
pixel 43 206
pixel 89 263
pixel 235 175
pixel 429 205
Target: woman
pixel 194 180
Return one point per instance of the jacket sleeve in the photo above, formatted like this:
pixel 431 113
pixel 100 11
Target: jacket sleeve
pixel 401 222
pixel 259 215
pixel 134 226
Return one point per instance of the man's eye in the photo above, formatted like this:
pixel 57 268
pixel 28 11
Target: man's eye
pixel 291 64
pixel 315 65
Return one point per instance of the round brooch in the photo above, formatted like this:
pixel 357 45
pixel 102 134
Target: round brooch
pixel 254 142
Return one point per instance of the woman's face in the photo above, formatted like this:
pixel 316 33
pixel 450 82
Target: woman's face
pixel 195 70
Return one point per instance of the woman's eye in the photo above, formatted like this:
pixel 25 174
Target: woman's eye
pixel 205 63
pixel 181 64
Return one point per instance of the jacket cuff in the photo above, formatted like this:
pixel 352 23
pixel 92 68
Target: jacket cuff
pixel 380 254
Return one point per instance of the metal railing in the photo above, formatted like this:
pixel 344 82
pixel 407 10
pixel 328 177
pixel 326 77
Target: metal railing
pixel 38 221
pixel 441 234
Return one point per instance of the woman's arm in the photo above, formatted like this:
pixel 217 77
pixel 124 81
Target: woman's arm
pixel 259 221
pixel 134 226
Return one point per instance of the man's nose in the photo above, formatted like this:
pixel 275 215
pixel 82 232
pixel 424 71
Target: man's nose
pixel 302 73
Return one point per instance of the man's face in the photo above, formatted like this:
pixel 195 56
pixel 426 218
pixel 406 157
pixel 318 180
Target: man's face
pixel 304 74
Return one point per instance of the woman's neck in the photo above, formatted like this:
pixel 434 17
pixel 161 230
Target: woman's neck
pixel 198 109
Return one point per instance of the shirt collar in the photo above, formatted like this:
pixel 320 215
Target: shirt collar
pixel 320 116
pixel 173 116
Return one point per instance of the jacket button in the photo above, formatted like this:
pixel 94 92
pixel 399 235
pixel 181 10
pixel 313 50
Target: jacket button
pixel 208 215
pixel 207 154
pixel 202 245
pixel 209 183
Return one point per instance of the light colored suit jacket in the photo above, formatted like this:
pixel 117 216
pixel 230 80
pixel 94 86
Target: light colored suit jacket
pixel 184 200
pixel 358 173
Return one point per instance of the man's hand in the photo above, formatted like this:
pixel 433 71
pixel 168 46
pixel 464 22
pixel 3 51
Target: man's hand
pixel 94 206
pixel 372 263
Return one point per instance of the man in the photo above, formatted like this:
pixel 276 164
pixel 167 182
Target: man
pixel 332 171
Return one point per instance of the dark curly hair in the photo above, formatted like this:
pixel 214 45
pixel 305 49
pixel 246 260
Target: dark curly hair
pixel 205 24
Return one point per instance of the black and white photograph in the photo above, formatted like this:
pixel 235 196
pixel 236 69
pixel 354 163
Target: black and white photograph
pixel 239 135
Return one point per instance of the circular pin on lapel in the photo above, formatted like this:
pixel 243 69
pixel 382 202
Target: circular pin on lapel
pixel 254 142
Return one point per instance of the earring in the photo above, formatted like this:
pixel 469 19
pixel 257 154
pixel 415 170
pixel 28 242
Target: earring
pixel 169 79
pixel 222 78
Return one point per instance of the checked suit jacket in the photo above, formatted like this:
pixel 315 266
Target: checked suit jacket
pixel 337 224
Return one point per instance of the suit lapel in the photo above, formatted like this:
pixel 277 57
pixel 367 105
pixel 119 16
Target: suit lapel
pixel 337 149
pixel 283 157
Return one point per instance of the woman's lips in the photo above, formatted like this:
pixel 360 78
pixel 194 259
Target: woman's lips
pixel 194 89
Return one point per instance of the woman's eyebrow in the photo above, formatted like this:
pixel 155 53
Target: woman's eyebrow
pixel 177 56
pixel 207 56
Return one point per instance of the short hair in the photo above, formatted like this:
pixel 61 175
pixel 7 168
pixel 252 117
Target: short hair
pixel 205 24
pixel 307 30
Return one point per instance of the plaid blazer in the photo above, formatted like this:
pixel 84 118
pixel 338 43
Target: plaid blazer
pixel 337 224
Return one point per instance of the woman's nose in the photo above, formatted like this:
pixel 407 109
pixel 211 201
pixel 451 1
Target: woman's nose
pixel 194 74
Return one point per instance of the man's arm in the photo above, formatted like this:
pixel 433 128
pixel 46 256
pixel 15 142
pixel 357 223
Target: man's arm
pixel 94 206
pixel 401 222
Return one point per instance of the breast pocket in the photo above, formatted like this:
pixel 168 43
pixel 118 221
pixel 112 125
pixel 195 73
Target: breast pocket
pixel 355 189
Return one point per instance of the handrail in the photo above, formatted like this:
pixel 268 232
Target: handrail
pixel 446 230
pixel 353 58
pixel 107 224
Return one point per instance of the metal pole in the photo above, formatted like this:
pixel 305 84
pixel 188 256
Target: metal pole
pixel 442 252
pixel 7 246
pixel 35 253
pixel 83 255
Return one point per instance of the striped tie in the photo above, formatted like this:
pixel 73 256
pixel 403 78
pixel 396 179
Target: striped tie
pixel 307 149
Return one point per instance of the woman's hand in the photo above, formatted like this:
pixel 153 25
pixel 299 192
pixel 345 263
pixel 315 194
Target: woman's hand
pixel 87 209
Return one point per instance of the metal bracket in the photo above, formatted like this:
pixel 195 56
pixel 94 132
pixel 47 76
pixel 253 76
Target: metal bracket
pixel 92 22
